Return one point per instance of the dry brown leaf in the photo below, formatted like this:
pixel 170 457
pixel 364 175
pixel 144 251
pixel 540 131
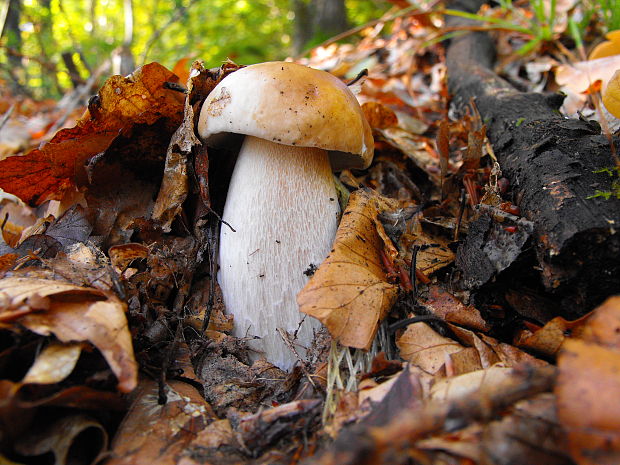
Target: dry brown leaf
pixel 349 292
pixel 548 339
pixel 53 364
pixel 458 387
pixel 530 433
pixel 378 115
pixel 158 434
pixel 72 313
pixel 491 351
pixel 446 306
pixel 588 388
pixel 71 440
pixel 123 102
pixel 425 348
pixel 122 255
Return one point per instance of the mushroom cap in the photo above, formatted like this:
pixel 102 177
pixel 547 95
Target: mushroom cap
pixel 289 104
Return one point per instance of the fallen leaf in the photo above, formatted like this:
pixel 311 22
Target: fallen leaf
pixel 349 292
pixel 607 48
pixel 53 364
pixel 588 387
pixel 424 347
pixel 122 103
pixel 378 115
pixel 530 433
pixel 156 433
pixel 587 391
pixel 71 439
pixel 446 306
pixel 548 339
pixel 72 313
pixel 611 96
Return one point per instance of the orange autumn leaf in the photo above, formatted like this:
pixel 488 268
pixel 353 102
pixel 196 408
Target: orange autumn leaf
pixel 122 103
pixel 379 116
pixel 548 339
pixel 349 293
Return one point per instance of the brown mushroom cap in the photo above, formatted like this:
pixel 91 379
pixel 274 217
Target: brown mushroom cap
pixel 289 104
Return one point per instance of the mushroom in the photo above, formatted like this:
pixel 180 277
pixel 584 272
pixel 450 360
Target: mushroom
pixel 299 123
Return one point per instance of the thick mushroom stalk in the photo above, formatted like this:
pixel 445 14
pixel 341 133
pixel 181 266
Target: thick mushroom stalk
pixel 283 207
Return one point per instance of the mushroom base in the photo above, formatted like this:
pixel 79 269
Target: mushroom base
pixel 283 207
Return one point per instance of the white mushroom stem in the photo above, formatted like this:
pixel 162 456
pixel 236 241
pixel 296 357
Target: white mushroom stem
pixel 282 204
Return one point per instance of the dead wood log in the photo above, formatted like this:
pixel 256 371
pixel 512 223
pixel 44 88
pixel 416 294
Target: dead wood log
pixel 550 162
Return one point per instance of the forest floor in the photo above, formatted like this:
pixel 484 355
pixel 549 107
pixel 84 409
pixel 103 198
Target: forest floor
pixel 483 330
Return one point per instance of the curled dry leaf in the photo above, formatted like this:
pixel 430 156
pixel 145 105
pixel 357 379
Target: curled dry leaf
pixel 122 103
pixel 588 388
pixel 349 292
pixel 175 183
pixel 53 364
pixel 548 339
pixel 73 439
pixel 72 313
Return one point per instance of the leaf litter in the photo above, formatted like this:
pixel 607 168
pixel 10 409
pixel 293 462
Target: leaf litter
pixel 114 271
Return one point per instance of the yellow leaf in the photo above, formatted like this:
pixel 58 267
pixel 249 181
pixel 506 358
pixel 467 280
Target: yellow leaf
pixel 608 48
pixel 611 96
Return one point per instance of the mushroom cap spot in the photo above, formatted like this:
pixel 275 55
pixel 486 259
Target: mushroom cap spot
pixel 289 104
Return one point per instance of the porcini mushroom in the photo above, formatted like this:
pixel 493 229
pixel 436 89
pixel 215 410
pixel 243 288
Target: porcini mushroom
pixel 299 123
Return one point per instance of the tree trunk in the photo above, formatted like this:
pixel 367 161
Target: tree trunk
pixel 330 18
pixel 317 20
pixel 123 62
pixel 12 33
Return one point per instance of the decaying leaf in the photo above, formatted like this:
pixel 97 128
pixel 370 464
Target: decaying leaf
pixel 446 306
pixel 588 388
pixel 155 433
pixel 548 339
pixel 72 313
pixel 349 293
pixel 530 433
pixel 122 103
pixel 72 439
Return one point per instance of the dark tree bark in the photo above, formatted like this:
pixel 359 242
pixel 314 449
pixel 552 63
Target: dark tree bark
pixel 330 17
pixel 318 20
pixel 550 162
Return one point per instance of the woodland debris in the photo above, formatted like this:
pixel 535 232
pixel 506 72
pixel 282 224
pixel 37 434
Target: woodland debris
pixel 551 163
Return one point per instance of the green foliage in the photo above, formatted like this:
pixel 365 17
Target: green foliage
pixel 614 172
pixel 539 26
pixel 246 31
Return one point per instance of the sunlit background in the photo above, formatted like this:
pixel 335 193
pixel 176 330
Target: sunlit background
pixel 49 46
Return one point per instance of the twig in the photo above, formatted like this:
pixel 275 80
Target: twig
pixel 6 116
